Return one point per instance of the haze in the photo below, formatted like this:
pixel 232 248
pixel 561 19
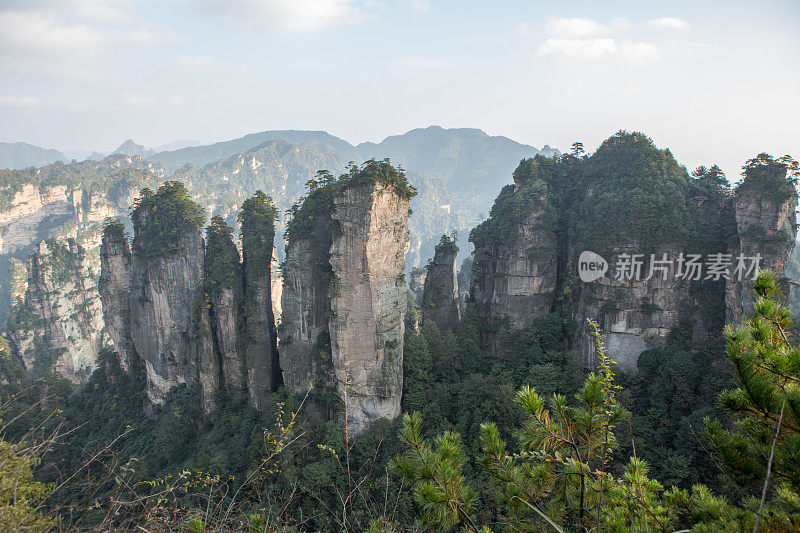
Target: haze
pixel 714 81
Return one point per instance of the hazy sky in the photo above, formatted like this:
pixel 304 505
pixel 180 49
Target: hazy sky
pixel 713 81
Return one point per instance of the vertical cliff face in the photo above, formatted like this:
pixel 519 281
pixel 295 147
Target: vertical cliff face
pixel 628 198
pixel 305 356
pixel 344 295
pixel 166 287
pixel 257 220
pixel 223 286
pixel 766 222
pixel 368 301
pixel 115 291
pixel 514 268
pixel 440 296
pixel 633 315
pixel 59 324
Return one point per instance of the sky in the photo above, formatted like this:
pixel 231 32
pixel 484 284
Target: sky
pixel 716 82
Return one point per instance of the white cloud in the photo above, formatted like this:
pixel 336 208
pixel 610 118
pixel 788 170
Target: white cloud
pixel 578 49
pixel 668 23
pixel 39 32
pixel 142 101
pixel 196 64
pixel 426 64
pixel 620 24
pixel 18 101
pixel 637 53
pixel 420 6
pixel 573 27
pixel 289 15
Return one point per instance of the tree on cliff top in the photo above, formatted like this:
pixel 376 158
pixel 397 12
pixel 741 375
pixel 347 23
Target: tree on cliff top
pixel 776 178
pixel 257 221
pixel 161 217
pixel 222 257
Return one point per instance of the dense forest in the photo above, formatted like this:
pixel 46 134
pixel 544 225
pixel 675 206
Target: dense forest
pixel 703 436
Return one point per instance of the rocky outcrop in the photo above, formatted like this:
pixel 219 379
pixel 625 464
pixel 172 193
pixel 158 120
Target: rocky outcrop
pixel 59 324
pixel 115 292
pixel 416 283
pixel 368 301
pixel 305 353
pixel 260 341
pixel 344 296
pixel 766 223
pixel 440 296
pixel 514 273
pixel 227 321
pixel 164 291
pixel 633 315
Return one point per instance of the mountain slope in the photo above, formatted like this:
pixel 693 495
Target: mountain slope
pixel 23 155
pixel 199 156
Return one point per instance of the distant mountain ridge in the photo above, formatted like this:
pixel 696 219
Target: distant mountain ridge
pixel 19 155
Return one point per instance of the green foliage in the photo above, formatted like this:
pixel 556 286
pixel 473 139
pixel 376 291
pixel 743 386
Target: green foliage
pixel 764 447
pixel 774 178
pixel 435 473
pixel 161 218
pixel 511 207
pixel 257 221
pixel 221 257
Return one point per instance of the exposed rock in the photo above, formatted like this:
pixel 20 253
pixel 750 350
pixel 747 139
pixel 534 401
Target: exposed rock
pixel 227 322
pixel 276 286
pixel 164 292
pixel 767 225
pixel 440 297
pixel 59 324
pixel 417 282
pixel 258 260
pixel 368 302
pixel 514 279
pixel 115 293
pixel 633 315
pixel 207 361
pixel 305 356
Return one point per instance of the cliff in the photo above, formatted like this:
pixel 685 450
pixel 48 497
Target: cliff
pixel 305 353
pixel 344 294
pixel 257 220
pixel 440 295
pixel 58 325
pixel 765 205
pixel 166 283
pixel 627 200
pixel 115 291
pixel 368 301
pixel 514 268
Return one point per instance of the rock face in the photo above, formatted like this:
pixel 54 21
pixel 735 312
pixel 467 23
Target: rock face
pixel 59 324
pixel 514 277
pixel 189 311
pixel 368 302
pixel 766 225
pixel 633 316
pixel 164 291
pixel 344 296
pixel 440 297
pixel 526 261
pixel 115 293
pixel 305 356
pixel 261 340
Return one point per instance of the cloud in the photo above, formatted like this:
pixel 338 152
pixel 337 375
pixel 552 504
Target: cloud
pixel 668 23
pixel 196 64
pixel 18 101
pixel 426 64
pixel 420 6
pixel 143 101
pixel 288 15
pixel 579 49
pixel 637 53
pixel 573 27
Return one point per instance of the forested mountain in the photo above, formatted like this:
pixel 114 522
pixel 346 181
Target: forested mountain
pixel 23 155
